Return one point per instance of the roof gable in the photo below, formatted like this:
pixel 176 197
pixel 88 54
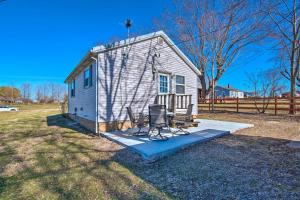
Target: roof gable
pixel 103 48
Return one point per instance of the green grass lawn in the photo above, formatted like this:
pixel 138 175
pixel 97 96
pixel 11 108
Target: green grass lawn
pixel 45 156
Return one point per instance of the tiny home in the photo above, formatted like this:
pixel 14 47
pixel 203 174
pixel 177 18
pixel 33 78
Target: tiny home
pixel 228 91
pixel 135 72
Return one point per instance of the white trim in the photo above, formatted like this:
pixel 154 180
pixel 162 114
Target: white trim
pixel 73 82
pixel 133 40
pixel 96 84
pixel 103 48
pixel 90 77
pixel 180 84
pixel 168 82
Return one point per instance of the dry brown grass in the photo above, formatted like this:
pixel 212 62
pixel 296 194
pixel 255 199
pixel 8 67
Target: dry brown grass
pixel 277 127
pixel 45 156
pixel 254 163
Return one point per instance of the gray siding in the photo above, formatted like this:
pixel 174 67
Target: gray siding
pixel 130 82
pixel 85 98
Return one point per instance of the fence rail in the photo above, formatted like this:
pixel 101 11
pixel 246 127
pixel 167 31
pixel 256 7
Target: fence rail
pixel 251 104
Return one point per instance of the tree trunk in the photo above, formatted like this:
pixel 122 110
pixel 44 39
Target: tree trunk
pixel 292 100
pixel 203 85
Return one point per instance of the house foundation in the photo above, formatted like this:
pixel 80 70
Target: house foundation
pixel 102 126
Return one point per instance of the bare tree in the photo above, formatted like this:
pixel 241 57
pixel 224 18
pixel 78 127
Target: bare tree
pixel 39 93
pixel 60 92
pixel 45 90
pixel 26 92
pixel 284 28
pixel 213 33
pixel 53 89
pixel 50 92
pixel 265 84
pixel 57 92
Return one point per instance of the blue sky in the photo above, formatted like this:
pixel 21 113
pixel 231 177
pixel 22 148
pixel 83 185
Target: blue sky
pixel 42 40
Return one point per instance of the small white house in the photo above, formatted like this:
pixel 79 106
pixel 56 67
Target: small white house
pixel 228 91
pixel 135 72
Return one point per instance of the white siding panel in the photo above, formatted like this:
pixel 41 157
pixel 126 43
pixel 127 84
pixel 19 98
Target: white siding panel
pixel 130 82
pixel 85 98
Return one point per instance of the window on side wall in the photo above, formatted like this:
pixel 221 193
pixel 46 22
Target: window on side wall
pixel 163 84
pixel 87 79
pixel 73 88
pixel 180 84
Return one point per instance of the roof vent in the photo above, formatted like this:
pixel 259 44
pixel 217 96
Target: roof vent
pixel 160 41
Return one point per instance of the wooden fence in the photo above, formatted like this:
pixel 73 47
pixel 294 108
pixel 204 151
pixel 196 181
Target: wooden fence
pixel 273 105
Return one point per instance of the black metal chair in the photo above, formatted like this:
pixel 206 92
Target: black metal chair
pixel 157 121
pixel 137 122
pixel 184 121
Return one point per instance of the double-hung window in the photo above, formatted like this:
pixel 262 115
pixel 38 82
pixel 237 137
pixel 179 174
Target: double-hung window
pixel 73 88
pixel 163 84
pixel 87 80
pixel 180 84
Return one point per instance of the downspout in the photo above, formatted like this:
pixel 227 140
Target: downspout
pixel 96 74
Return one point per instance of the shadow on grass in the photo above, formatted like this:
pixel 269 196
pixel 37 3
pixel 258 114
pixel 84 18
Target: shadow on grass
pixel 66 164
pixel 61 121
pixel 235 166
pixel 228 167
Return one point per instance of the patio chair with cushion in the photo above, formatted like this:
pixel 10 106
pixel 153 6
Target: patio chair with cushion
pixel 137 122
pixel 157 121
pixel 183 121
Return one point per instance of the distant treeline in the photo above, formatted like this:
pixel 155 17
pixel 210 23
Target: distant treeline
pixel 42 93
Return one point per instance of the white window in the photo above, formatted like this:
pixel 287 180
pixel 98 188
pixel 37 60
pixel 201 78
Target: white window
pixel 87 81
pixel 73 88
pixel 180 84
pixel 163 84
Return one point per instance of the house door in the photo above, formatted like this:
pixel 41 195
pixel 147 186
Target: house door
pixel 163 85
pixel 164 90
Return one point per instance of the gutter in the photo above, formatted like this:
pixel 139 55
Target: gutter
pixel 96 75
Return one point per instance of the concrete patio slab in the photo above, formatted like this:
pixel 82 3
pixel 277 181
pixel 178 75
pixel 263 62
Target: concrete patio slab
pixel 221 125
pixel 152 150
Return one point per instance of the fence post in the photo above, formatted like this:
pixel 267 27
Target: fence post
pixel 295 104
pixel 208 104
pixel 275 105
pixel 237 104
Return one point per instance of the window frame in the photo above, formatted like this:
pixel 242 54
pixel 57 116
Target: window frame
pixel 73 89
pixel 184 85
pixel 168 83
pixel 89 79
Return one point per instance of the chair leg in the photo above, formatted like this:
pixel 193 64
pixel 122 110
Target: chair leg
pixel 180 129
pixel 161 136
pixel 158 136
pixel 140 133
